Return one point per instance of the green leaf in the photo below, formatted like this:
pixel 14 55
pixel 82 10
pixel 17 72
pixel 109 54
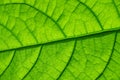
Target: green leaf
pixel 59 39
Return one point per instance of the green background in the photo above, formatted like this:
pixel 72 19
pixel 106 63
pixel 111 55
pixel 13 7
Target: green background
pixel 59 39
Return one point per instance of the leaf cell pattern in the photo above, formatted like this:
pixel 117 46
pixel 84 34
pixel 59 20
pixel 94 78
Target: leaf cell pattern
pixel 59 39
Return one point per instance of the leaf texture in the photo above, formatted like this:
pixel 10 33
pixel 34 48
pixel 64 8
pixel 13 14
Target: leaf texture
pixel 59 39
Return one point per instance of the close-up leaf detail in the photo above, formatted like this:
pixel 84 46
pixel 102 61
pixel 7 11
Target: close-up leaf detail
pixel 59 39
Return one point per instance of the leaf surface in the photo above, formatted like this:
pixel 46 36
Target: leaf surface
pixel 59 40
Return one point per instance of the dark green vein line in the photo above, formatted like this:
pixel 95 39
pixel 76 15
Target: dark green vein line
pixel 29 30
pixel 8 64
pixel 108 59
pixel 62 11
pixel 76 8
pixel 48 4
pixel 40 12
pixel 116 8
pixel 94 14
pixel 33 64
pixel 96 34
pixel 68 61
pixel 12 34
pixel 31 33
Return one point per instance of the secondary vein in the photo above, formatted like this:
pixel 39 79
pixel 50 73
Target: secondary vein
pixel 68 60
pixel 108 59
pixel 33 64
